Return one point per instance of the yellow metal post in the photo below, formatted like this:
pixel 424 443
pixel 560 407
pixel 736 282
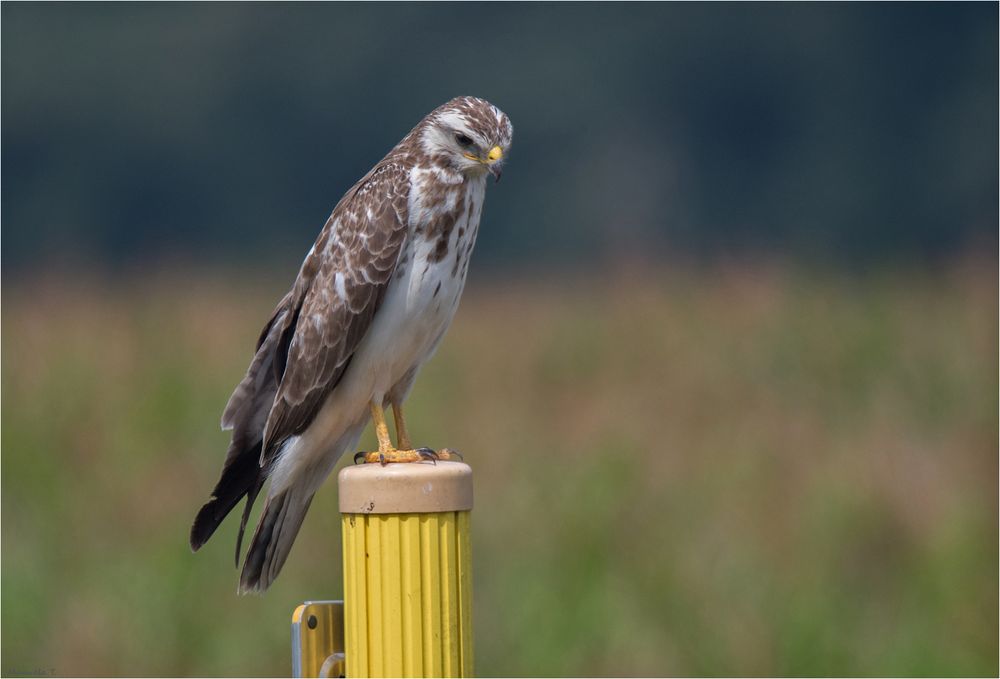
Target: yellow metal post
pixel 407 569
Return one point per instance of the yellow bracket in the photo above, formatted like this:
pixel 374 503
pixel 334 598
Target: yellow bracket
pixel 318 639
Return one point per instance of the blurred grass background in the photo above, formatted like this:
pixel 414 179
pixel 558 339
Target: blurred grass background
pixel 726 368
pixel 746 468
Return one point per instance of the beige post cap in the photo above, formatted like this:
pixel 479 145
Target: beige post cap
pixel 405 488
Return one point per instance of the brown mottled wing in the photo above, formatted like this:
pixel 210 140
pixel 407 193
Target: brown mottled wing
pixel 347 273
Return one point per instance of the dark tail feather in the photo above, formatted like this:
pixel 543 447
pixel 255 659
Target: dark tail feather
pixel 251 497
pixel 243 477
pixel 279 524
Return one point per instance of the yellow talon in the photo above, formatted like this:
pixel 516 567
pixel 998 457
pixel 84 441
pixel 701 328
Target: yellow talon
pixel 387 453
pixel 384 458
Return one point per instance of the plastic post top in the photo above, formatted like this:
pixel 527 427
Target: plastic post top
pixel 405 488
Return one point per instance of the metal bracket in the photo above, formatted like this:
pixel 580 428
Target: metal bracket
pixel 318 639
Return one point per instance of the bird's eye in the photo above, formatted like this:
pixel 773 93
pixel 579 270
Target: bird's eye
pixel 463 140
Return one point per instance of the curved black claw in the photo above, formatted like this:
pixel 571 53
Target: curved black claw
pixel 451 453
pixel 427 454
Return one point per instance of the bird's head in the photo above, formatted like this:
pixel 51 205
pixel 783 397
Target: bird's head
pixel 472 135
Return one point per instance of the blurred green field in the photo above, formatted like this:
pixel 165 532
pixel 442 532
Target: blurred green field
pixel 738 470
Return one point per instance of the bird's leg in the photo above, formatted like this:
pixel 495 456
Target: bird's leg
pixel 402 436
pixel 405 453
pixel 381 430
pixel 386 453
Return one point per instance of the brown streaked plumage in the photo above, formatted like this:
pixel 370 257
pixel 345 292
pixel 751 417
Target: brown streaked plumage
pixel 372 300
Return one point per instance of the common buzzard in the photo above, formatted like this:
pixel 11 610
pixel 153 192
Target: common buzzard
pixel 372 300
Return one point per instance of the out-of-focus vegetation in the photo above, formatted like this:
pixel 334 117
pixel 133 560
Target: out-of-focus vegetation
pixel 710 469
pixel 133 131
pixel 738 470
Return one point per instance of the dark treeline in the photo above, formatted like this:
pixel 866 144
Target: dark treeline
pixel 221 132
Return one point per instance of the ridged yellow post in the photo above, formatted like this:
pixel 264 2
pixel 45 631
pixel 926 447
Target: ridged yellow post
pixel 407 569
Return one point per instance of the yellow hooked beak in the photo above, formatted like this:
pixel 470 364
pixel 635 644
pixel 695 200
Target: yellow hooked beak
pixel 491 160
pixel 495 154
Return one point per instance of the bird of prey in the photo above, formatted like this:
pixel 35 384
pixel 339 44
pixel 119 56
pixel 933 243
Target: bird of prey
pixel 371 302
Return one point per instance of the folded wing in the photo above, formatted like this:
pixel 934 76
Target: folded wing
pixel 305 348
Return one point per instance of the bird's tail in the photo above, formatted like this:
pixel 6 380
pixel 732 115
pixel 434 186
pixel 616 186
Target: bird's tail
pixel 279 524
pixel 242 476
